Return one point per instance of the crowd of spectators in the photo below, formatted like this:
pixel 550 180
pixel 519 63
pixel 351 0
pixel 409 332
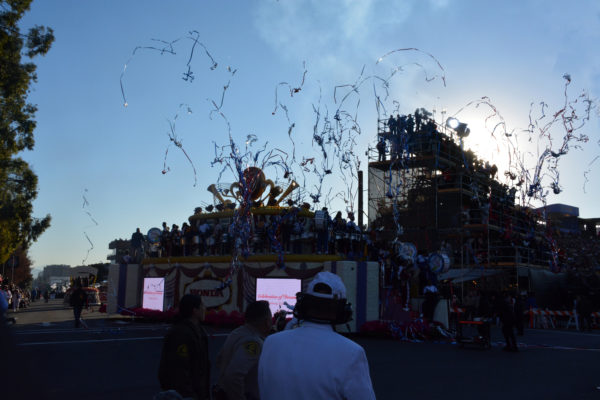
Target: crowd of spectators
pixel 399 131
pixel 16 298
pixel 579 251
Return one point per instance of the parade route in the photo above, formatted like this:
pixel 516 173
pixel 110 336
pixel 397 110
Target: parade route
pixel 118 359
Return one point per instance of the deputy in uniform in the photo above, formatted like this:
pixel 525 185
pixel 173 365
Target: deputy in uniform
pixel 184 363
pixel 237 362
pixel 313 361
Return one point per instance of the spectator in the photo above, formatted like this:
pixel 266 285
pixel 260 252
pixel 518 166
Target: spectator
pixel 16 299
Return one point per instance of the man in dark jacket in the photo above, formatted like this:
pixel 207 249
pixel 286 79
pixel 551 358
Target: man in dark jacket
pixel 184 364
pixel 584 309
pixel 78 301
pixel 508 320
pixel 519 313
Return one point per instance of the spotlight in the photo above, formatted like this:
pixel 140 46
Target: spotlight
pixel 459 127
pixel 462 130
pixel 452 123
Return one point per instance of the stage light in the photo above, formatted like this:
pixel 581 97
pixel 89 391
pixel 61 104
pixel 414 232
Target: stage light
pixel 452 123
pixel 459 127
pixel 462 130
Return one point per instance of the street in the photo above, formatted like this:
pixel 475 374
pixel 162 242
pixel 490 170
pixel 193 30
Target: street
pixel 118 359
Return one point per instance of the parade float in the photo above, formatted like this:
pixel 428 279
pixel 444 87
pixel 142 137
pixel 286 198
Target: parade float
pixel 229 280
pixel 86 277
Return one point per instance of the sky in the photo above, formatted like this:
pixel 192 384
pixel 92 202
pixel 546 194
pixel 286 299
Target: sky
pixel 100 163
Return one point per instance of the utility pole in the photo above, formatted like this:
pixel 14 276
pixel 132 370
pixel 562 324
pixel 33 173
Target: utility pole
pixel 360 199
pixel 12 277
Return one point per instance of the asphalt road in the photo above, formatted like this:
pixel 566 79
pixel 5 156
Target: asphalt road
pixel 116 359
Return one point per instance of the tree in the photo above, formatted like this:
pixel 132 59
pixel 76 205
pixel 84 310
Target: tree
pixel 18 183
pixel 21 274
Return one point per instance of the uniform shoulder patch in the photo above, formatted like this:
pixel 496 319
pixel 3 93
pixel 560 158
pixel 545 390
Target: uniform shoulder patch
pixel 182 351
pixel 251 348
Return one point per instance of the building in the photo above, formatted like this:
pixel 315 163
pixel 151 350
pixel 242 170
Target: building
pixel 56 274
pixel 563 217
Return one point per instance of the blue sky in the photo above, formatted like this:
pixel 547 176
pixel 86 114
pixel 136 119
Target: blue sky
pixel 88 143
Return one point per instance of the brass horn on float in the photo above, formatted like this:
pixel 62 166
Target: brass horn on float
pixel 267 183
pixel 273 194
pixel 290 189
pixel 232 189
pixel 213 189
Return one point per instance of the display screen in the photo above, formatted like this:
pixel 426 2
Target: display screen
pixel 154 293
pixel 278 292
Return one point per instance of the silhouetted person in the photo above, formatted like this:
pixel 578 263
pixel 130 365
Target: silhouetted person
pixel 392 125
pixel 519 312
pixel 431 299
pixel 410 125
pixel 418 119
pixel 137 245
pixel 381 149
pixel 584 310
pixel 78 301
pixel 184 363
pixel 507 318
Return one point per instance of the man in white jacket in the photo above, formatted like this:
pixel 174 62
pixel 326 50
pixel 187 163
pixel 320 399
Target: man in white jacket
pixel 313 361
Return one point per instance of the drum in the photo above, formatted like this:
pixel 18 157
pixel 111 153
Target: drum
pixel 320 219
pixel 407 251
pixel 439 262
pixel 154 235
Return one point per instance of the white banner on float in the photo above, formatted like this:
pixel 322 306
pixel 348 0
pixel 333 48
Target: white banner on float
pixel 154 293
pixel 278 291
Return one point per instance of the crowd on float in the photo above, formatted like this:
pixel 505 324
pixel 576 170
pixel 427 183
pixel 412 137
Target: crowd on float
pixel 399 129
pixel 270 234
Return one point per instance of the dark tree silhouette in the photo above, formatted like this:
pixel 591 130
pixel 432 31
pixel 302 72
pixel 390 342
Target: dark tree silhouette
pixel 18 183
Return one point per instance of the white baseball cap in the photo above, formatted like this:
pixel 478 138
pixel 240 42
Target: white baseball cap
pixel 338 290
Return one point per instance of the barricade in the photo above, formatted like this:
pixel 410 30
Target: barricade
pixel 454 317
pixel 546 319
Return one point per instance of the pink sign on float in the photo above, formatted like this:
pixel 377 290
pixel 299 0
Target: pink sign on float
pixel 154 293
pixel 278 292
